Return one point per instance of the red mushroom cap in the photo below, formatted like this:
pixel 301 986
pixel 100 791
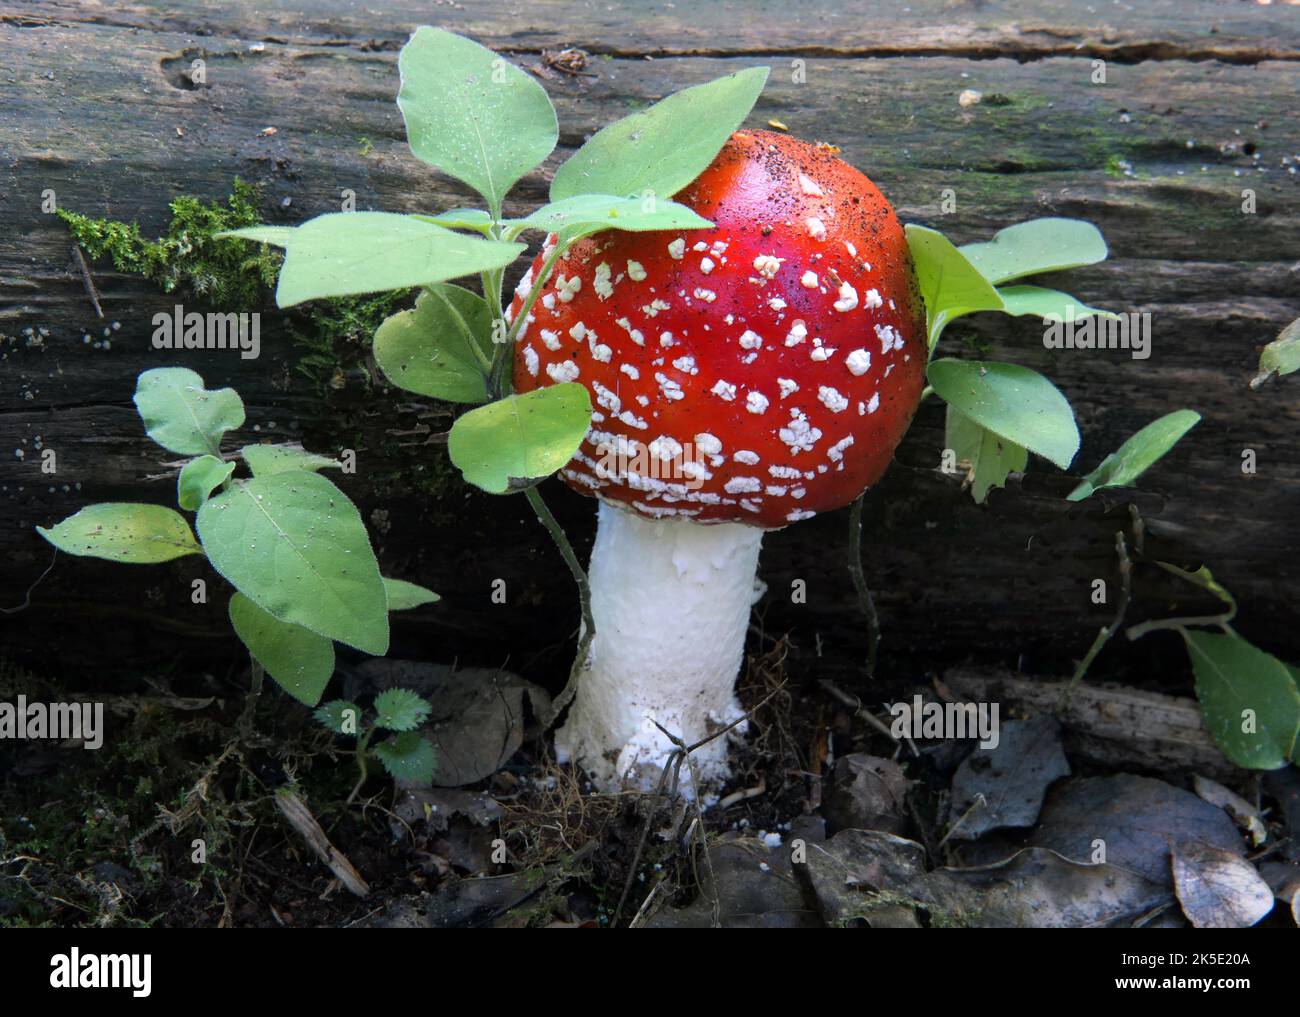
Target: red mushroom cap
pixel 759 372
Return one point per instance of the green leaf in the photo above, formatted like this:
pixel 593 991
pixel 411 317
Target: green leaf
pixel 663 148
pixel 408 757
pixel 400 710
pixel 295 545
pixel 1204 578
pixel 991 457
pixel 199 478
pixel 585 214
pixel 301 662
pixel 265 460
pixel 344 253
pixel 340 716
pixel 461 219
pixel 1137 455
pixel 402 596
pixel 276 235
pixel 1037 300
pixel 441 348
pixel 473 114
pixel 506 445
pixel 1040 245
pixel 1281 356
pixel 1011 401
pixel 181 415
pixel 125 532
pixel 1240 686
pixel 950 285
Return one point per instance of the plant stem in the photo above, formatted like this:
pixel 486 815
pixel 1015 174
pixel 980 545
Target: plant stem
pixel 496 279
pixel 499 382
pixel 362 766
pixel 584 597
pixel 492 282
pixel 1105 634
pixel 865 600
pixel 1160 624
pixel 1220 620
pixel 535 291
pixel 256 673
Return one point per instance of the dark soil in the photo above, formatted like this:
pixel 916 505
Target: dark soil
pixel 108 837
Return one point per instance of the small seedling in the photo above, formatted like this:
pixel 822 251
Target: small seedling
pixel 406 755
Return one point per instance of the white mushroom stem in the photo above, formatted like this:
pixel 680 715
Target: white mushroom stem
pixel 671 601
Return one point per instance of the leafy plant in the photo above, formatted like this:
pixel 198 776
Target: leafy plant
pixel 999 413
pixel 476 117
pixel 406 755
pixel 480 119
pixel 1250 699
pixel 287 539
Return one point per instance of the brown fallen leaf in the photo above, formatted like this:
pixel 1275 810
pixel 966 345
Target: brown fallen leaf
pixel 1217 889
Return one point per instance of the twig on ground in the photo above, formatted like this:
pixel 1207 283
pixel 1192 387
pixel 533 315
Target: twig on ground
pixel 86 278
pixel 672 769
pixel 855 704
pixel 980 802
pixel 697 827
pixel 645 904
pixel 742 795
pixel 27 598
pixel 304 823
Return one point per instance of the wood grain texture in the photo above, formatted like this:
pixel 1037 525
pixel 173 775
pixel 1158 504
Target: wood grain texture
pixel 1100 721
pixel 1022 29
pixel 96 103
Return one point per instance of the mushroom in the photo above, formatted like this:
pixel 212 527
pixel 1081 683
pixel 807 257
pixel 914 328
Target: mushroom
pixel 743 378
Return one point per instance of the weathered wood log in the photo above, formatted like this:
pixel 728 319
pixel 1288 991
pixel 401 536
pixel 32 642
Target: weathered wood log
pixel 1110 726
pixel 99 105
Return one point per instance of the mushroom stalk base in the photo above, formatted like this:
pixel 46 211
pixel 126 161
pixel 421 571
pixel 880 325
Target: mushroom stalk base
pixel 671 601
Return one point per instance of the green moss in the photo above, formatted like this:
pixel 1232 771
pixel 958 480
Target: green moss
pixel 105 838
pixel 1012 102
pixel 189 257
pixel 335 335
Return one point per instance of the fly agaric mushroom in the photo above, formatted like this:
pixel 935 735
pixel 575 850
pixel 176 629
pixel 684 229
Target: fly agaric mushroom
pixel 743 378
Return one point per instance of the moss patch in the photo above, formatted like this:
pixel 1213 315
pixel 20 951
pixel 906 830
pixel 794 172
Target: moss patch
pixel 237 275
pixel 335 335
pixel 188 256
